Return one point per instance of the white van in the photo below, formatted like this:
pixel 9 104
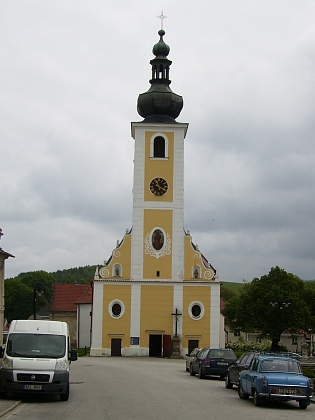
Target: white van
pixel 37 358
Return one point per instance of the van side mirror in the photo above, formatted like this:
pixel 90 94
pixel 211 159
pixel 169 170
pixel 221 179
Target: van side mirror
pixel 73 355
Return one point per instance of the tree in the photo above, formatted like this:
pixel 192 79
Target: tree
pixel 226 293
pixel 271 305
pixel 33 278
pixel 18 300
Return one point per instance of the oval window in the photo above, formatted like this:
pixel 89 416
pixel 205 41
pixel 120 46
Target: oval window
pixel 157 239
pixel 196 310
pixel 116 308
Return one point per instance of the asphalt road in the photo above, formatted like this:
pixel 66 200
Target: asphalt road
pixel 146 388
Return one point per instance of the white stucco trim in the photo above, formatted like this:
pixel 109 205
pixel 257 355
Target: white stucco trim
pixel 135 311
pixel 215 322
pixel 97 321
pixel 178 304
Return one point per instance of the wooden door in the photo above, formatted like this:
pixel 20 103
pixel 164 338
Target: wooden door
pixel 192 344
pixel 116 347
pixel 167 345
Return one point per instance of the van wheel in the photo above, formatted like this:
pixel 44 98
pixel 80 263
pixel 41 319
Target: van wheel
pixel 65 396
pixel 3 395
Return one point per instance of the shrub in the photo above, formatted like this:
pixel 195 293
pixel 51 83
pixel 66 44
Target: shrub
pixel 241 346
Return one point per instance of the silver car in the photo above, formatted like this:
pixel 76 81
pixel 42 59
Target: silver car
pixel 191 357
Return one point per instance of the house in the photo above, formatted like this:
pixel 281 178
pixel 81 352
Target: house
pixel 84 311
pixel 66 305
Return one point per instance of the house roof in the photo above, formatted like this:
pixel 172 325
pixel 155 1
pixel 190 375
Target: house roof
pixel 65 296
pixel 6 254
pixel 86 297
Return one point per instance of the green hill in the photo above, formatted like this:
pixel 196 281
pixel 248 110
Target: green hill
pixel 234 287
pixel 75 275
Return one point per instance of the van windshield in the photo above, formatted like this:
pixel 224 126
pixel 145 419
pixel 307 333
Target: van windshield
pixel 36 345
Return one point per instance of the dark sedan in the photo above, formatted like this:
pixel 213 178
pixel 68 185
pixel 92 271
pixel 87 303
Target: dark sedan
pixel 232 377
pixel 212 362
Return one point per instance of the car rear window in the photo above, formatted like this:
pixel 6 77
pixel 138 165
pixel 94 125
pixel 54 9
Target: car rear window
pixel 278 365
pixel 225 354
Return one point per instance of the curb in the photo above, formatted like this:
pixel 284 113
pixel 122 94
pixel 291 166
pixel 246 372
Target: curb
pixel 7 410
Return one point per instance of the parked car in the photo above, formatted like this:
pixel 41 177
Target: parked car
pixel 232 377
pixel 275 378
pixel 191 357
pixel 212 362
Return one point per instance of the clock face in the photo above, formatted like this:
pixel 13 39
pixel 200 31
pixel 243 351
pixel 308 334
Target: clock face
pixel 158 186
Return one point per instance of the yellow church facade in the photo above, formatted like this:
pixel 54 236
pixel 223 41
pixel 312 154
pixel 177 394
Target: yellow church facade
pixel 157 295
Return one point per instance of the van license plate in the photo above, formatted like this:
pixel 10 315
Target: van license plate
pixel 33 387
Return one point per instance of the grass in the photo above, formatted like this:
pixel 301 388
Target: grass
pixel 234 287
pixel 83 352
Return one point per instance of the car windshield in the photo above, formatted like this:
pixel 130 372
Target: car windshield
pixel 278 365
pixel 36 345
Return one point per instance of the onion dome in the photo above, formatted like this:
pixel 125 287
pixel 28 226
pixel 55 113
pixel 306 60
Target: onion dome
pixel 160 103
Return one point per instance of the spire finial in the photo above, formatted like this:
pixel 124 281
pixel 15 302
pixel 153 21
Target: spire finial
pixel 162 17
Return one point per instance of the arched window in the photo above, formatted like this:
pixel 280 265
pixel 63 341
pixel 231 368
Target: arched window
pixel 159 147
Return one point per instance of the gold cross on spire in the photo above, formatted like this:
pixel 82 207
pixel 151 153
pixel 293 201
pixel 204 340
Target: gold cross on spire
pixel 162 17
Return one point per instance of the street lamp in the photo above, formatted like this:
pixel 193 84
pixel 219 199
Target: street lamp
pixel 38 290
pixel 278 303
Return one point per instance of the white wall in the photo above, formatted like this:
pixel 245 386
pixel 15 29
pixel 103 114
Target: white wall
pixel 84 325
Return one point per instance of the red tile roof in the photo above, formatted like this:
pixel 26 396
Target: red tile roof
pixel 65 296
pixel 86 297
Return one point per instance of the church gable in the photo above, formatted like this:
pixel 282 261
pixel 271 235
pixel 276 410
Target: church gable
pixel 118 266
pixel 196 265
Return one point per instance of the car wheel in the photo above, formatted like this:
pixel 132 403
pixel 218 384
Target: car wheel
pixel 228 384
pixel 242 394
pixel 257 399
pixel 192 373
pixel 303 404
pixel 200 374
pixel 65 396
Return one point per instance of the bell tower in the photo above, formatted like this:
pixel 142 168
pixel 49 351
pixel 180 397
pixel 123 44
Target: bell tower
pixel 157 246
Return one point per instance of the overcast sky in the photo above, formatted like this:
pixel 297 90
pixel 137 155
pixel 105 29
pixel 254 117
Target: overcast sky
pixel 71 73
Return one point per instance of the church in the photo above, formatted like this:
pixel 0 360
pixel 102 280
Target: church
pixel 157 295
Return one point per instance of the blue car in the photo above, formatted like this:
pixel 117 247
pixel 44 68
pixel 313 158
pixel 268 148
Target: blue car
pixel 275 378
pixel 211 361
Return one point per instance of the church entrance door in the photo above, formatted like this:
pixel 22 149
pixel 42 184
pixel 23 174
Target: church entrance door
pixel 116 347
pixel 155 345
